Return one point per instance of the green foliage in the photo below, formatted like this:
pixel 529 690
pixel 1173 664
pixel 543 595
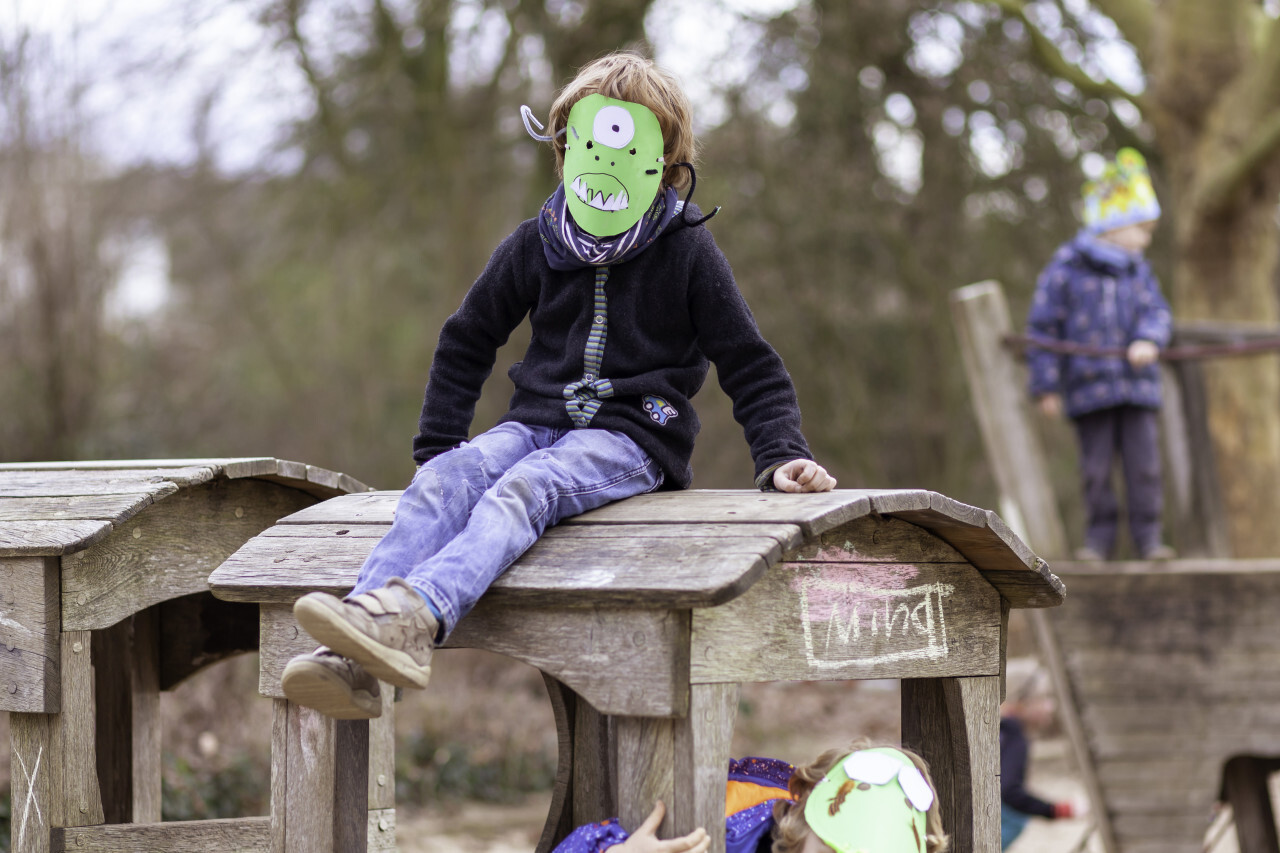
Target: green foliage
pixel 6 814
pixel 430 767
pixel 241 788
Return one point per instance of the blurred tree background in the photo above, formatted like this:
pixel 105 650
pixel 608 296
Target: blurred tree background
pixel 870 156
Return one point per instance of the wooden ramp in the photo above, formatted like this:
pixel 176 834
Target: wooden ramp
pixel 1175 670
pixel 1168 672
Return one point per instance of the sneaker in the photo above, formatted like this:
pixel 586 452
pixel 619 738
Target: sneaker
pixel 389 631
pixel 1086 554
pixel 1159 552
pixel 335 686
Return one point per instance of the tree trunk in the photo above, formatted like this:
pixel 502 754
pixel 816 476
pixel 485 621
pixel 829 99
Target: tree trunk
pixel 1226 270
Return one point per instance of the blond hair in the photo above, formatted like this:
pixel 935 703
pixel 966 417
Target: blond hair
pixel 790 828
pixel 630 77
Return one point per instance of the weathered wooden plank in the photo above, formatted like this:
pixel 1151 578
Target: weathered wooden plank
pixel 815 513
pixel 361 508
pixel 382 756
pixel 189 534
pixel 49 538
pixel 701 752
pixel 559 822
pixel 671 572
pixel 112 508
pixel 325 792
pixel 46 483
pixel 280 639
pixel 875 539
pixel 130 464
pixel 820 621
pixel 595 765
pixel 279 774
pixel 584 648
pixel 646 756
pixel 953 723
pixel 145 683
pixel 787 535
pixel 35 782
pixel 227 835
pixel 74 736
pixel 381 833
pixel 996 381
pixel 29 635
pixel 1180 831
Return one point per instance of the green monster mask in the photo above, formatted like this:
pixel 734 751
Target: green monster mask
pixel 871 801
pixel 612 164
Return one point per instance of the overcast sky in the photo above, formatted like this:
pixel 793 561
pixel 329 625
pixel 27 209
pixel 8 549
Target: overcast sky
pixel 146 65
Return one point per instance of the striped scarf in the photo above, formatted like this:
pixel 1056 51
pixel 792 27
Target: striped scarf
pixel 568 247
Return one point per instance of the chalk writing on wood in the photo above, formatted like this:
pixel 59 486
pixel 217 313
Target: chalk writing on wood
pixel 31 802
pixel 815 620
pixel 840 619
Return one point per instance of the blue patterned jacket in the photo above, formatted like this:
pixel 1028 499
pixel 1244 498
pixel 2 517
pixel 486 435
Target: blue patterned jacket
pixel 1098 294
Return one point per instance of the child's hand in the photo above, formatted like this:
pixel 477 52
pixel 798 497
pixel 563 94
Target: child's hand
pixel 1050 405
pixel 1142 353
pixel 802 475
pixel 645 838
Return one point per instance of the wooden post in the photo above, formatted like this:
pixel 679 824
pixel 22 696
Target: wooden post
pixel 996 384
pixel 702 743
pixel 319 782
pixel 29 635
pixel 954 724
pixel 1201 519
pixel 1245 784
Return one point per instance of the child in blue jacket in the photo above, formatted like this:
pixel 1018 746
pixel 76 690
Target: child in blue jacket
pixel 1099 293
pixel 870 800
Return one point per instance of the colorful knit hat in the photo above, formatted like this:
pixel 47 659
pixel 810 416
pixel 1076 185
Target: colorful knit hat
pixel 871 801
pixel 1122 196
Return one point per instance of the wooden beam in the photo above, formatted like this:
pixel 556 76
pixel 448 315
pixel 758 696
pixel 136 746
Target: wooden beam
pixel 198 836
pixel 30 633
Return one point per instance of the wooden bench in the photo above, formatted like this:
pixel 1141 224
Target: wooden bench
pixel 646 615
pixel 104 603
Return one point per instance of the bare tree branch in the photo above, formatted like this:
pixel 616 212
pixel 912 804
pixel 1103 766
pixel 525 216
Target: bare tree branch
pixel 326 111
pixel 1051 58
pixel 1135 18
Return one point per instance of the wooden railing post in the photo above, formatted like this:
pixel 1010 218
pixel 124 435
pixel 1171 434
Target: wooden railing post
pixel 996 384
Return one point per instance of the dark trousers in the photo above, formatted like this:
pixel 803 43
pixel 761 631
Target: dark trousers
pixel 1132 433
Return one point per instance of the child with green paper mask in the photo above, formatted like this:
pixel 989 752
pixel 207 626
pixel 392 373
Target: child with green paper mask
pixel 630 302
pixel 868 800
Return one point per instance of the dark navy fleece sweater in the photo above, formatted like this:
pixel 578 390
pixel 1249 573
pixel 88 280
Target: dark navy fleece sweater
pixel 670 309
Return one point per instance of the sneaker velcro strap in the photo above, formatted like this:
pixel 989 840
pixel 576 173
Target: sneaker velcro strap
pixel 379 602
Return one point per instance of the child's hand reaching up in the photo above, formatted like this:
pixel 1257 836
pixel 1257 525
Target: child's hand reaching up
pixel 802 475
pixel 645 838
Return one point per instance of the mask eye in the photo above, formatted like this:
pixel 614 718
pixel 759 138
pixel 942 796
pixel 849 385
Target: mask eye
pixel 613 126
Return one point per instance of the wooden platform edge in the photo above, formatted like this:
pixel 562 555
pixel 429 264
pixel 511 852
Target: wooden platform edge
pixel 1022 578
pixel 170 476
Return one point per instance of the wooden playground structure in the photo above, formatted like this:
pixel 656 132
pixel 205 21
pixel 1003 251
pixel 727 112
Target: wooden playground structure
pixel 643 616
pixel 1168 673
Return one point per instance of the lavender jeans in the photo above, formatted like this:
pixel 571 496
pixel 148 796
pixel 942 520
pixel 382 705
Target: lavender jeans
pixel 471 512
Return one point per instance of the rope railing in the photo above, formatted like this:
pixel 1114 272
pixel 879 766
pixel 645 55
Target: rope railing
pixel 1184 352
